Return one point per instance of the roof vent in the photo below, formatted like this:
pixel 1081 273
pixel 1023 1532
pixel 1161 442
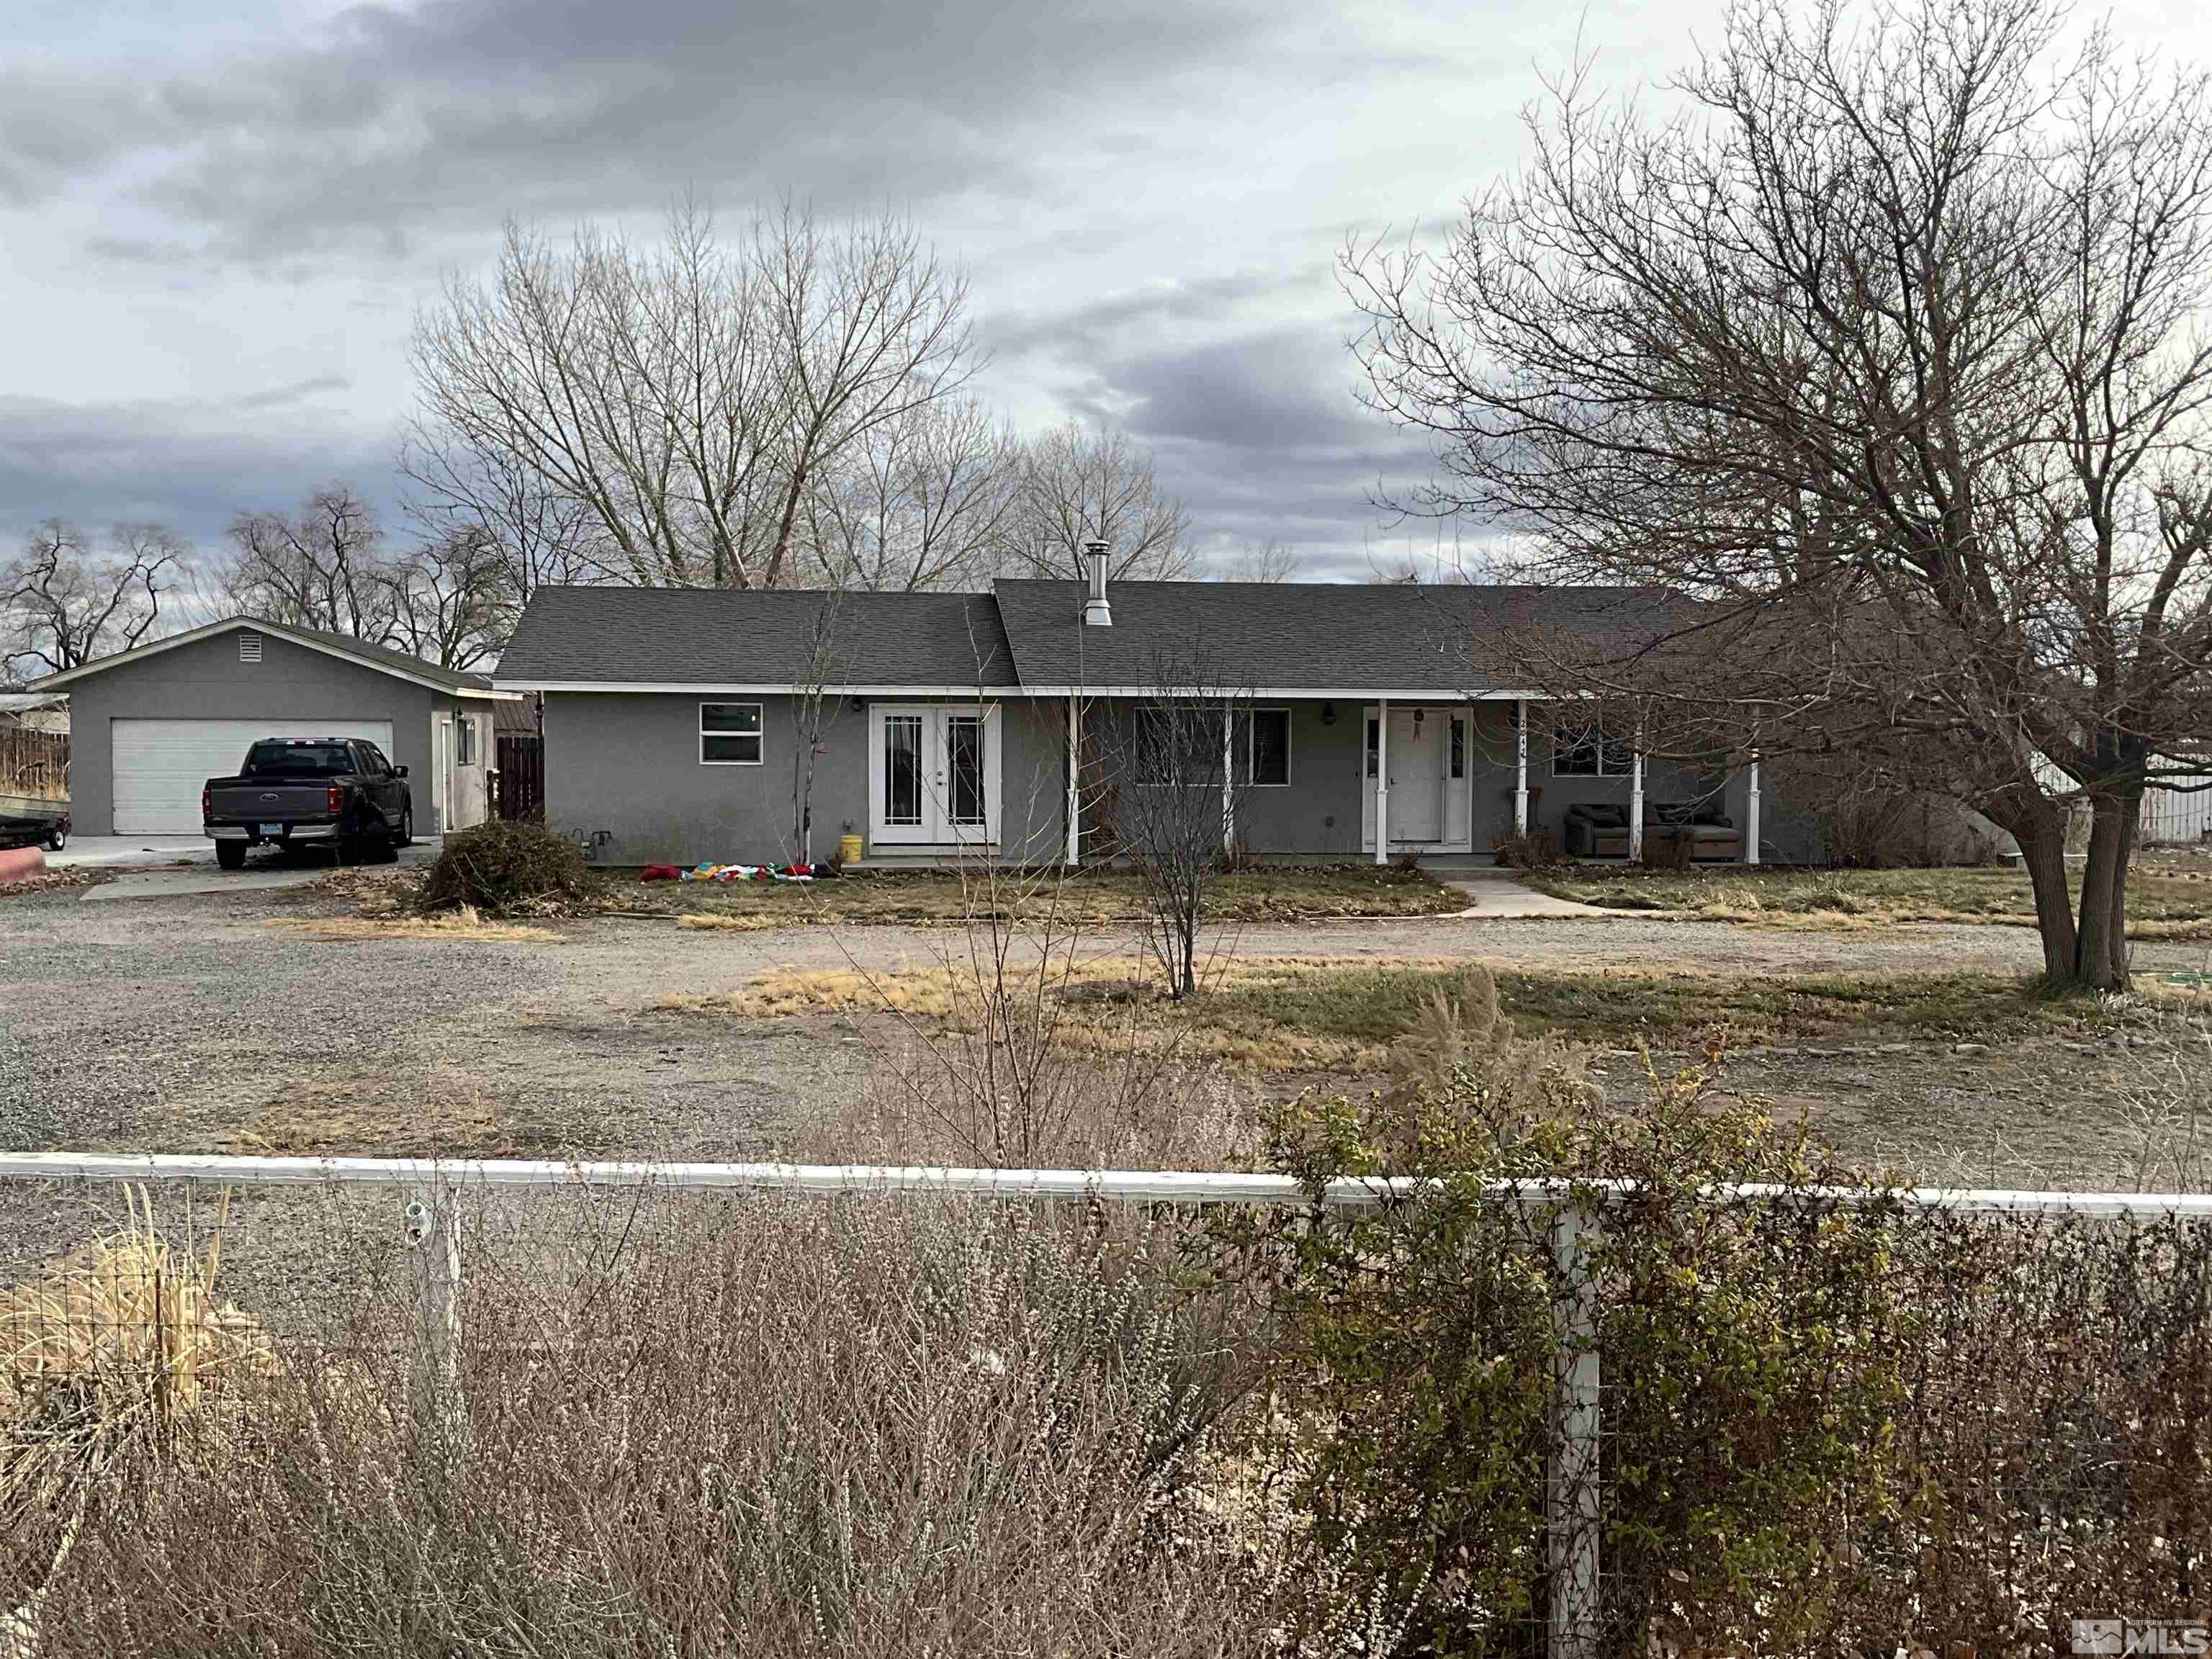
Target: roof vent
pixel 1096 613
pixel 249 648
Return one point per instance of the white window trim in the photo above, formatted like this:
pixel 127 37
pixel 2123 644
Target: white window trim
pixel 1290 727
pixel 1602 743
pixel 1242 760
pixel 758 734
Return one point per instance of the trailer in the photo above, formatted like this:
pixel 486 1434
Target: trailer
pixel 31 821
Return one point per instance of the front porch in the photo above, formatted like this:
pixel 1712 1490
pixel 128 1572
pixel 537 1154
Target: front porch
pixel 1444 780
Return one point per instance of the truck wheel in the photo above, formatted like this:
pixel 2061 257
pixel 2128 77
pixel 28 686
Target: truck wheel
pixel 407 824
pixel 230 854
pixel 56 839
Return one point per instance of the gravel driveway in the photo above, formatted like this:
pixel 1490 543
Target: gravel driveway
pixel 195 1025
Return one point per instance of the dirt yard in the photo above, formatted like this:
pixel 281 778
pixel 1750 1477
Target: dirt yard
pixel 272 1022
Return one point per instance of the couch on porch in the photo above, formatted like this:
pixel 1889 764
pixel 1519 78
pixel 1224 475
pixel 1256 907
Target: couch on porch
pixel 1599 830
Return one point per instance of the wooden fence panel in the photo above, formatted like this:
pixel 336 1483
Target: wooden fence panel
pixel 33 763
pixel 522 775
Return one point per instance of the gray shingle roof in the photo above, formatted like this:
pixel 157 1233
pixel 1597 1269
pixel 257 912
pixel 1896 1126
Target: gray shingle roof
pixel 379 656
pixel 1288 635
pixel 727 637
pixel 361 651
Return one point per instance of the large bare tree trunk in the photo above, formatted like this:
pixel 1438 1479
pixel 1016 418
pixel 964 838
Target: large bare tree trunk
pixel 2100 951
pixel 2100 939
pixel 2040 828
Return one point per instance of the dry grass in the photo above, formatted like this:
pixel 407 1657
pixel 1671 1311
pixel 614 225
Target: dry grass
pixel 447 1115
pixel 1262 893
pixel 116 1350
pixel 461 924
pixel 2163 903
pixel 706 1425
pixel 1291 1014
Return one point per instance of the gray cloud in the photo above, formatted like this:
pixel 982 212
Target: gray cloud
pixel 1251 417
pixel 1149 196
pixel 400 121
pixel 189 465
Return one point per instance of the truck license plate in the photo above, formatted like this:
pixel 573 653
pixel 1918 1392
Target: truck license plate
pixel 273 829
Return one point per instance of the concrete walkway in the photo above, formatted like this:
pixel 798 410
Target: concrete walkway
pixel 1498 897
pixel 202 875
pixel 107 852
pixel 201 878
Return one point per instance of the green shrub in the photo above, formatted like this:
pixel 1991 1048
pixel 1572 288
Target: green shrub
pixel 502 868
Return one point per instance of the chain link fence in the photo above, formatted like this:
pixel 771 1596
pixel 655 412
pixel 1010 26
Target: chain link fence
pixel 356 1405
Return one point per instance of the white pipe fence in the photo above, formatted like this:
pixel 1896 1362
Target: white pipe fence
pixel 1572 1505
pixel 2179 814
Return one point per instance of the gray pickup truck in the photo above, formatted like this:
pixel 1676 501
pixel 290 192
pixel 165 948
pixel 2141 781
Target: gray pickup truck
pixel 339 793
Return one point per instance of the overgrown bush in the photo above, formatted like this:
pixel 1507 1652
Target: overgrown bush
pixel 1828 1427
pixel 1533 848
pixel 502 868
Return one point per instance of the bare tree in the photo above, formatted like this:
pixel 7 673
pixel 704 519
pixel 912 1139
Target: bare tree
pixel 690 399
pixel 541 536
pixel 1271 561
pixel 322 567
pixel 1889 354
pixel 446 598
pixel 1072 484
pixel 64 601
pixel 918 502
pixel 814 709
pixel 1176 766
pixel 452 598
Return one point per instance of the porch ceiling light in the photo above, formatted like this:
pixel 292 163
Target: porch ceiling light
pixel 1328 714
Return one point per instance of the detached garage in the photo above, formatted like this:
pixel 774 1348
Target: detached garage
pixel 148 726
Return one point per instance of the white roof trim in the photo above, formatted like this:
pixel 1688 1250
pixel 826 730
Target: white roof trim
pixel 259 625
pixel 764 689
pixel 1422 694
pixel 514 688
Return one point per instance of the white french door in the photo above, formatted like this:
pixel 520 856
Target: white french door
pixel 933 774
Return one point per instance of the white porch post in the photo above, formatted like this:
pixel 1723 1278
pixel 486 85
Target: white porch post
pixel 1074 780
pixel 1228 779
pixel 1636 803
pixel 1751 815
pixel 1521 765
pixel 1382 781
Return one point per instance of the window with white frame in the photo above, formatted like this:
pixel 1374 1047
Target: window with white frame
pixel 464 741
pixel 1263 747
pixel 1582 750
pixel 729 734
pixel 1179 743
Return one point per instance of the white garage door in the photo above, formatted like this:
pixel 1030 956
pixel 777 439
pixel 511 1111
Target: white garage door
pixel 159 765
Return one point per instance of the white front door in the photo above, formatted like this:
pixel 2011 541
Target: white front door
pixel 1416 755
pixel 1429 758
pixel 933 774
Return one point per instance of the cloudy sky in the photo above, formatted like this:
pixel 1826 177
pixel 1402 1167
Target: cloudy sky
pixel 218 221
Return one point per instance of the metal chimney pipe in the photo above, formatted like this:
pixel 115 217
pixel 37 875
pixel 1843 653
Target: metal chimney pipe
pixel 1096 613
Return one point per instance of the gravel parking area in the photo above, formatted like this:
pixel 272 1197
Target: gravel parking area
pixel 194 1024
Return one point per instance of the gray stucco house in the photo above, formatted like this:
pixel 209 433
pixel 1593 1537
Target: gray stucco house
pixel 676 721
pixel 148 726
